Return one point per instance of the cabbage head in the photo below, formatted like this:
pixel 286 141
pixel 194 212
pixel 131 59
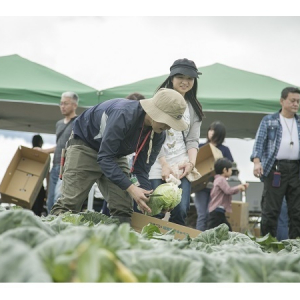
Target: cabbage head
pixel 171 197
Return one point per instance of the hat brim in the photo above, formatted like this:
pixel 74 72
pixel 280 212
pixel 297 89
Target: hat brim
pixel 185 71
pixel 161 117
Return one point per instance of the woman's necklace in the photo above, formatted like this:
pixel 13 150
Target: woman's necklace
pixel 290 131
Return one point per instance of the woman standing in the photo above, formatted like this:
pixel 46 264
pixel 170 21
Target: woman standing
pixel 215 135
pixel 180 147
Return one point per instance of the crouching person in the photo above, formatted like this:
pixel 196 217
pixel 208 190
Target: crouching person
pixel 221 194
pixel 102 137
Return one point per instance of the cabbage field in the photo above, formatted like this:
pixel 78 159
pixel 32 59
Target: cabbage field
pixel 90 247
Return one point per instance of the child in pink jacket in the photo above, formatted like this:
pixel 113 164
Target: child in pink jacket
pixel 221 194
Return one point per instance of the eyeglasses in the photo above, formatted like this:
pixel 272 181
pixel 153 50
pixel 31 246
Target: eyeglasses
pixel 64 103
pixel 294 101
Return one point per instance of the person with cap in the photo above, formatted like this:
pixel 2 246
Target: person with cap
pixel 102 137
pixel 181 146
pixel 130 157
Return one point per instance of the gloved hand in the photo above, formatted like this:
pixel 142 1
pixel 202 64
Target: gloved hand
pixel 173 179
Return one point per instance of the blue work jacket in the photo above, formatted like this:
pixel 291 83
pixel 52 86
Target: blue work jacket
pixel 113 128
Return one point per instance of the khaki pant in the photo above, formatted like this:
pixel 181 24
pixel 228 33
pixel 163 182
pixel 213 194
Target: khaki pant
pixel 81 171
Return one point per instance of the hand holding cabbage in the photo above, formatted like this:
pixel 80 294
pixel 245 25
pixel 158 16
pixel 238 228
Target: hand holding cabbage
pixel 171 197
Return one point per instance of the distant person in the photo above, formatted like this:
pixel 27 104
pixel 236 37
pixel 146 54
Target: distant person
pixel 105 209
pixel 68 105
pixel 180 149
pixel 135 96
pixel 221 194
pixel 276 162
pixel 215 136
pixel 103 136
pixel 38 206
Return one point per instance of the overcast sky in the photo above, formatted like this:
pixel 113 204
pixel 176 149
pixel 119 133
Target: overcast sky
pixel 108 51
pixel 104 52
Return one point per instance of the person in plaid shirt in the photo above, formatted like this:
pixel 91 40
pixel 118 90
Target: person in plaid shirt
pixel 276 156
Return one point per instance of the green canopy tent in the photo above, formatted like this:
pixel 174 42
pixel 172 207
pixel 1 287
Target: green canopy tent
pixel 235 97
pixel 30 95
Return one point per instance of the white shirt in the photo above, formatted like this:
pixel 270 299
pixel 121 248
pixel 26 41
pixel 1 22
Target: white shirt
pixel 289 133
pixel 174 147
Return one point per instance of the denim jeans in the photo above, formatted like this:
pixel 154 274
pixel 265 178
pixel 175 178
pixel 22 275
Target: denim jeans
pixel 53 178
pixel 201 201
pixel 57 192
pixel 283 223
pixel 179 213
pixel 105 209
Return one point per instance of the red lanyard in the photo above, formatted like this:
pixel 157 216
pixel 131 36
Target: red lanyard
pixel 138 150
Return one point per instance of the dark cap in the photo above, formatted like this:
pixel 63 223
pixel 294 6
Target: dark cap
pixel 185 67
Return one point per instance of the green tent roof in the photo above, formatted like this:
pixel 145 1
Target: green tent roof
pixel 30 94
pixel 237 98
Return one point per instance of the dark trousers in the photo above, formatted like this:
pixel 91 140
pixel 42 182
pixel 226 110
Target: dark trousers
pixel 38 206
pixel 273 197
pixel 216 218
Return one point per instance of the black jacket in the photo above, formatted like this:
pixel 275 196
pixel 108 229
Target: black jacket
pixel 112 128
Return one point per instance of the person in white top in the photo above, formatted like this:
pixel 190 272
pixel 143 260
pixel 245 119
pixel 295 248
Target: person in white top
pixel 276 155
pixel 180 149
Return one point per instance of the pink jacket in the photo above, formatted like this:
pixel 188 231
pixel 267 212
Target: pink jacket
pixel 221 194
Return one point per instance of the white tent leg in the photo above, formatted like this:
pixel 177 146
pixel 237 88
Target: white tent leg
pixel 91 199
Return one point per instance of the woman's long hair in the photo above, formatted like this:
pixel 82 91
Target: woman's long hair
pixel 219 132
pixel 191 95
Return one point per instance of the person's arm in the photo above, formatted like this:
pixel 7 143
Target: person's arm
pixel 227 189
pixel 138 194
pixel 189 166
pixel 166 169
pixel 259 144
pixel 192 138
pixel 191 143
pixel 112 140
pixel 257 169
pixel 48 151
pixel 142 166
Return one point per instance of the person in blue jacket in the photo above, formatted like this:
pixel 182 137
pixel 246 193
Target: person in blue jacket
pixel 102 137
pixel 215 135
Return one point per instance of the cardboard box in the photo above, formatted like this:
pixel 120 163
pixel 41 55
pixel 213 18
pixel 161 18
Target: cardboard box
pixel 24 177
pixel 239 229
pixel 138 221
pixel 239 217
pixel 206 158
pixel 256 231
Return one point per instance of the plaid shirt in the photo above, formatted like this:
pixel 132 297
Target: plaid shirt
pixel 268 139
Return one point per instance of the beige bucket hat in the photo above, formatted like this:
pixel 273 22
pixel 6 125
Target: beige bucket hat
pixel 167 106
